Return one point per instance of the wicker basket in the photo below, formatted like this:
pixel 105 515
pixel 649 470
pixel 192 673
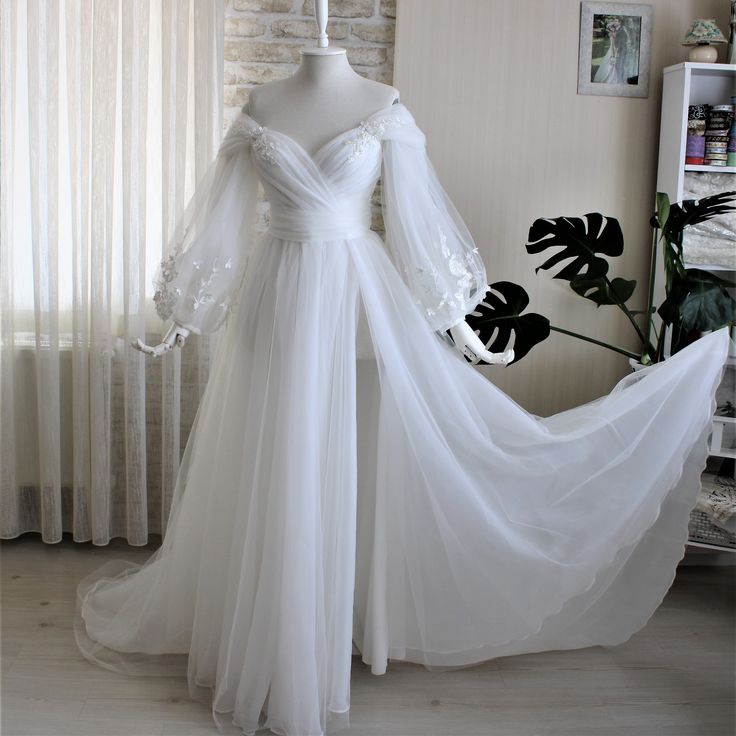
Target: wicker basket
pixel 702 529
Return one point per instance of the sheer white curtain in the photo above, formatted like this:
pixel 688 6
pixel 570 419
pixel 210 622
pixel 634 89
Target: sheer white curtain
pixel 110 112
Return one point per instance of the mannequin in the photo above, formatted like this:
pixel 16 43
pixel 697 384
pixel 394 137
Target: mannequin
pixel 324 97
pixel 350 486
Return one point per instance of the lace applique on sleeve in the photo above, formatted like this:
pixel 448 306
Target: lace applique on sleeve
pixel 425 234
pixel 261 142
pixel 196 284
pixel 370 131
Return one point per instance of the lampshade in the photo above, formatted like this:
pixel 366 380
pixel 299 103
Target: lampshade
pixel 703 30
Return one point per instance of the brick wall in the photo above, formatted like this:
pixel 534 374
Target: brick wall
pixel 263 38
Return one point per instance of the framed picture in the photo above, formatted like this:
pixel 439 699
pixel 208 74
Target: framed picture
pixel 615 49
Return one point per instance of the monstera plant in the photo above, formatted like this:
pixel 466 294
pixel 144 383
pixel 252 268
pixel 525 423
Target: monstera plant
pixel 695 300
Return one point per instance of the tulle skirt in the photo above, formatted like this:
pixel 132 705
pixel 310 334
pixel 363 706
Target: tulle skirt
pixel 350 481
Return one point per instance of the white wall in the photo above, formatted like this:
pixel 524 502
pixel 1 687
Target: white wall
pixel 493 85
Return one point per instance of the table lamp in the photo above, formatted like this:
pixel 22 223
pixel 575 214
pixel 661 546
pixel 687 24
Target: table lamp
pixel 702 34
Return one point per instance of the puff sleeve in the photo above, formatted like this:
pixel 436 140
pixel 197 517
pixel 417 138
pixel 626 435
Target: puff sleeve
pixel 424 233
pixel 196 284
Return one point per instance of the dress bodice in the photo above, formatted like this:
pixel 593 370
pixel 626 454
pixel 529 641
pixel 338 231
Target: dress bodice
pixel 325 195
pixel 318 197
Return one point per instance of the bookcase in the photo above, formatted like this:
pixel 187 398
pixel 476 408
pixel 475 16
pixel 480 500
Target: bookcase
pixel 685 84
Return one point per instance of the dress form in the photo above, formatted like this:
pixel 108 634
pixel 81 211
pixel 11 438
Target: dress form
pixel 351 486
pixel 323 98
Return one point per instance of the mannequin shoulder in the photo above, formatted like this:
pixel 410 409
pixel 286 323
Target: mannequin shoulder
pixel 273 95
pixel 263 95
pixel 381 94
pixel 391 94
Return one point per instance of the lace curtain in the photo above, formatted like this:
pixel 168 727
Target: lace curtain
pixel 110 113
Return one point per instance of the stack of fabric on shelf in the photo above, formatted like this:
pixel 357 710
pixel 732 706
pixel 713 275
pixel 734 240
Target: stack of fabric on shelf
pixel 731 160
pixel 712 242
pixel 718 501
pixel 718 125
pixel 695 148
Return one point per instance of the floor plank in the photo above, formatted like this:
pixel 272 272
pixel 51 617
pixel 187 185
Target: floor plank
pixel 673 678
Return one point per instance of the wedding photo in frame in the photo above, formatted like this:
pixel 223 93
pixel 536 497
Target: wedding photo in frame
pixel 615 49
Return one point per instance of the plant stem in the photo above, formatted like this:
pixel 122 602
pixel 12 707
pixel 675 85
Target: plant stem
pixel 630 316
pixel 650 295
pixel 656 334
pixel 615 348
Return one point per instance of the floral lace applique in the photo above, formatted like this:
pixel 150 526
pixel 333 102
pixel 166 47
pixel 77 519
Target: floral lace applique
pixel 245 128
pixel 239 128
pixel 198 278
pixel 369 131
pixel 443 294
pixel 261 142
pixel 167 295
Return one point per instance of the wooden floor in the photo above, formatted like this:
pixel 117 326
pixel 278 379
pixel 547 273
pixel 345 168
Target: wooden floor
pixel 674 678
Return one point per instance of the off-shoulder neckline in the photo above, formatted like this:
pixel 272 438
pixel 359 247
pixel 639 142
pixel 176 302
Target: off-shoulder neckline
pixel 396 104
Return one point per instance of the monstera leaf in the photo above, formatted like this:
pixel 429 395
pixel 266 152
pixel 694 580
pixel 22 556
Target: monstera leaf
pixel 581 239
pixel 499 316
pixel 674 219
pixel 700 301
pixel 692 212
pixel 585 240
pixel 604 291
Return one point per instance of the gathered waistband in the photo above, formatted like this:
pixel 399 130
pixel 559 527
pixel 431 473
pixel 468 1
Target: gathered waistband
pixel 347 222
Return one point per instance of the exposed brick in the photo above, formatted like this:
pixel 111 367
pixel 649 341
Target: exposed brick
pixel 377 73
pixel 266 6
pixel 343 8
pixel 262 51
pixel 248 26
pixel 369 72
pixel 260 74
pixel 377 32
pixel 286 28
pixel 235 96
pixel 264 39
pixel 388 8
pixel 386 76
pixel 377 222
pixel 376 194
pixel 366 55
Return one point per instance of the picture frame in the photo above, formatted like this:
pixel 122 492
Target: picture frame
pixel 615 49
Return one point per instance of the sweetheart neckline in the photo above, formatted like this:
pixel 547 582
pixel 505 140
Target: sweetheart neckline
pixel 314 157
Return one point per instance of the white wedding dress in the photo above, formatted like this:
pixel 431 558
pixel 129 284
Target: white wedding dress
pixel 350 478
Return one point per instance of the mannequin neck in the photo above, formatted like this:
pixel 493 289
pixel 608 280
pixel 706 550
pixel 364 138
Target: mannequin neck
pixel 328 69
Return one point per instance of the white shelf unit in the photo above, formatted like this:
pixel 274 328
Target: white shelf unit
pixel 716 444
pixel 685 84
pixel 714 169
